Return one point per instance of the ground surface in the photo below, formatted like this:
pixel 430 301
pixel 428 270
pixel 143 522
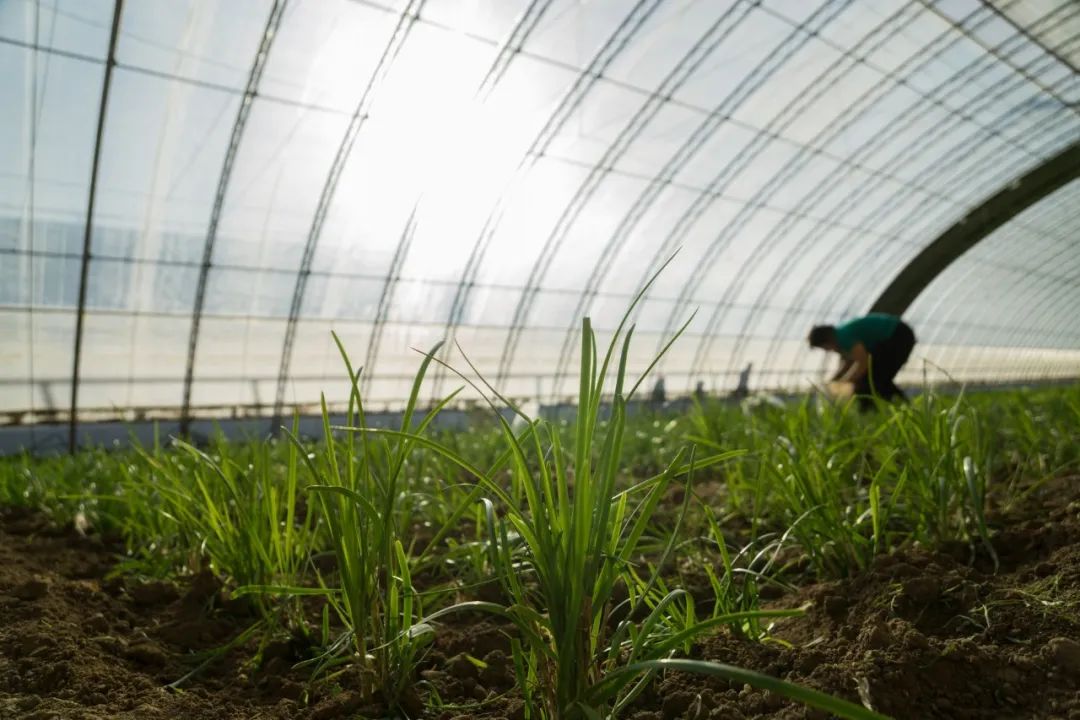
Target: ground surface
pixel 922 635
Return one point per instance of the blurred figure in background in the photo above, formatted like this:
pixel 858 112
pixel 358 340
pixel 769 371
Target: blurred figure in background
pixel 699 391
pixel 742 390
pixel 658 396
pixel 873 348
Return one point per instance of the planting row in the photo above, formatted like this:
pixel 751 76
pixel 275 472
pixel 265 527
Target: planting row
pixel 580 536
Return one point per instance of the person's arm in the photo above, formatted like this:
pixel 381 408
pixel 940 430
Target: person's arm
pixel 858 363
pixel 845 365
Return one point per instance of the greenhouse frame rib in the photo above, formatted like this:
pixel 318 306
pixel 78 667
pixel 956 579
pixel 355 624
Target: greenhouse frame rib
pixel 784 229
pixel 682 158
pixel 185 238
pixel 273 22
pixel 1032 38
pixel 110 64
pixel 1030 299
pixel 408 18
pixel 993 51
pixel 883 138
pixel 948 160
pixel 683 71
pixel 523 28
pixel 902 158
pixel 900 249
pixel 927 96
pixel 994 212
pixel 571 100
pixel 392 276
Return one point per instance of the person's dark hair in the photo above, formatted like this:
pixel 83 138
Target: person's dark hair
pixel 822 335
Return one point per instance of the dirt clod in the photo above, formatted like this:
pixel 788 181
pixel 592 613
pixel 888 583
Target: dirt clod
pixel 147 653
pixel 1045 569
pixel 461 667
pixel 278 649
pixel 32 589
pixel 1066 654
pixel 42 715
pixel 835 606
pixel 921 590
pixel 875 636
pixel 677 704
pixel 434 676
pixel 155 592
pixel 338 706
pixel 498 670
pixel 202 588
pixel 97 623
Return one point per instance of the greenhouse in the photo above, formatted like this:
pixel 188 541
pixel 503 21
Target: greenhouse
pixel 528 359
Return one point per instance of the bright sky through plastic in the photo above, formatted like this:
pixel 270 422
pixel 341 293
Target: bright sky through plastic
pixel 798 151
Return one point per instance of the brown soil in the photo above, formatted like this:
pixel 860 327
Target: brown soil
pixel 74 644
pixel 921 635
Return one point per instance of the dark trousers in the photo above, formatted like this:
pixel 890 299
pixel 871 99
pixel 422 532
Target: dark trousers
pixel 886 359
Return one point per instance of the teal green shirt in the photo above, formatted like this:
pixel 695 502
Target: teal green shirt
pixel 869 330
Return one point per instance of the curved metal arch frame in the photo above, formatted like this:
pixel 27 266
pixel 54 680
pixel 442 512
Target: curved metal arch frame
pixel 806 351
pixel 247 101
pixel 512 46
pixel 954 310
pixel 791 168
pixel 994 212
pixel 387 295
pixel 949 159
pixel 850 271
pixel 813 92
pixel 1065 319
pixel 1032 38
pixel 408 18
pixel 1031 299
pixel 901 158
pixel 523 29
pixel 899 251
pixel 690 62
pixel 954 306
pixel 1042 298
pixel 109 66
pixel 84 270
pixel 695 143
pixel 570 101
